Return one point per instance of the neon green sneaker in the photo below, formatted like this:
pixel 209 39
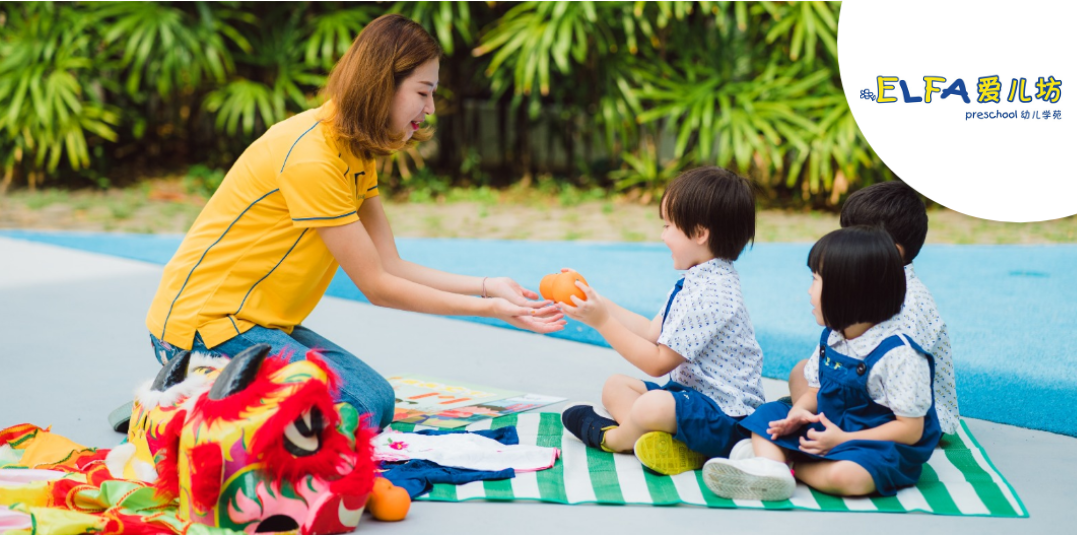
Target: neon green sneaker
pixel 658 451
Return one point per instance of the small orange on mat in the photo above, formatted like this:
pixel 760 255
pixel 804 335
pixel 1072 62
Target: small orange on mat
pixel 388 502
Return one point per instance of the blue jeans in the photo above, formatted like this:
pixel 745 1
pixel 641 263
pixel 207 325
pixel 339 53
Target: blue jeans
pixel 361 386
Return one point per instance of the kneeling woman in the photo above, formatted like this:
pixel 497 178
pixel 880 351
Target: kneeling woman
pixel 303 199
pixel 868 423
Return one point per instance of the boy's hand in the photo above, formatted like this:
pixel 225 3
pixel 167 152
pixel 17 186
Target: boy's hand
pixel 821 442
pixel 796 419
pixel 592 312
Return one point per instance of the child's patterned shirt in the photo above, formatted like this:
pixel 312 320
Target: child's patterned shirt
pixel 900 380
pixel 708 325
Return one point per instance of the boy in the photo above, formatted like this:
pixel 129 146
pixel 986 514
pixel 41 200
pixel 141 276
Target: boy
pixel 898 210
pixel 703 338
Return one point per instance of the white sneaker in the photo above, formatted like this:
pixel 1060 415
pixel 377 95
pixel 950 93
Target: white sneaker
pixel 742 450
pixel 757 478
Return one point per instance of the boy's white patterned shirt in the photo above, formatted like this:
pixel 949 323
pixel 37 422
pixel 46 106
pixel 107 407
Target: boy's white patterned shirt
pixel 920 320
pixel 708 325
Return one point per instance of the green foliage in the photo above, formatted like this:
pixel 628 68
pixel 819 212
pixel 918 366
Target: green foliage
pixel 625 94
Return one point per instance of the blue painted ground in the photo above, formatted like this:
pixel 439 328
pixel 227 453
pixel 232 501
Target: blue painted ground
pixel 1011 310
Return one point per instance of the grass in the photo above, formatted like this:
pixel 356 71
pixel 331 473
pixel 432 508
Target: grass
pixel 539 211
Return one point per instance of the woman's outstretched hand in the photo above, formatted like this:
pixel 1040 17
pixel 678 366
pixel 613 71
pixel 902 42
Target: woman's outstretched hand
pixel 543 320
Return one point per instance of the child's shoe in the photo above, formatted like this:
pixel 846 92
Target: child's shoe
pixel 586 424
pixel 742 450
pixel 757 478
pixel 660 452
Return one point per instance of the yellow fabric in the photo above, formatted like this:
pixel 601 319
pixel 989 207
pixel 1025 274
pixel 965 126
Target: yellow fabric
pixel 35 493
pixel 252 256
pixel 63 522
pixel 48 449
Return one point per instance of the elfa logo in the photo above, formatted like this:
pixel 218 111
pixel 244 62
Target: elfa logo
pixel 989 88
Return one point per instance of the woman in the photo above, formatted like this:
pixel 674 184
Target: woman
pixel 303 199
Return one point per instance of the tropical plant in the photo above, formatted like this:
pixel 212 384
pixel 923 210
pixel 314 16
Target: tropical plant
pixel 619 94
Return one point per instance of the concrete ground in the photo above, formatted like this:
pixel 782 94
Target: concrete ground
pixel 73 347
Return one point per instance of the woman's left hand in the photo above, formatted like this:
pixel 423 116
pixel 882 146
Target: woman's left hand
pixel 512 292
pixel 821 442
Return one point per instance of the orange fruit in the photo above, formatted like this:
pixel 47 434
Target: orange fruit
pixel 381 485
pixel 389 504
pixel 546 286
pixel 564 286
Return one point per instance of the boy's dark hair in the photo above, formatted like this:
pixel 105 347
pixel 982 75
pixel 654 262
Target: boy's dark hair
pixel 717 200
pixel 863 278
pixel 894 206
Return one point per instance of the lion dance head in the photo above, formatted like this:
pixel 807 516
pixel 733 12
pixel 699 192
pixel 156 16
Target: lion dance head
pixel 253 444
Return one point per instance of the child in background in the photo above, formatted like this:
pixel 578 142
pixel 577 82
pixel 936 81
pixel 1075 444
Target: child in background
pixel 898 209
pixel 703 338
pixel 867 422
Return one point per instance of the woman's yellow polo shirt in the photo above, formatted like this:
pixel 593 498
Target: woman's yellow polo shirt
pixel 252 256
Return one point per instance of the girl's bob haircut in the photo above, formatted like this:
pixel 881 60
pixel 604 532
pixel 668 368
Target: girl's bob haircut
pixel 364 82
pixel 863 276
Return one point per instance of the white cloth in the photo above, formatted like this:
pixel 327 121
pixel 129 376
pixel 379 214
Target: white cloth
pixel 900 380
pixel 462 450
pixel 709 326
pixel 919 319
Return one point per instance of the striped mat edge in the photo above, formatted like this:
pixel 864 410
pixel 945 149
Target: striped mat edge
pixel 958 480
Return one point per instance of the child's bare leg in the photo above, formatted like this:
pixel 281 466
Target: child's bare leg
pixel 767 449
pixel 654 411
pixel 798 385
pixel 619 393
pixel 841 478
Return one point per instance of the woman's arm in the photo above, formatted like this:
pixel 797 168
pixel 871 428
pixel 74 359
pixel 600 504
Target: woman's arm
pixel 359 257
pixel 372 215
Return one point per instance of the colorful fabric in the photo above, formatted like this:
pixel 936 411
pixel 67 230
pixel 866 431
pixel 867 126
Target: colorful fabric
pixel 706 322
pixel 252 256
pixel 256 446
pixel 958 480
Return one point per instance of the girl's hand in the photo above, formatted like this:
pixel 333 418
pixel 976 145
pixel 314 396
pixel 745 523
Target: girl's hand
pixel 548 321
pixel 512 292
pixel 796 419
pixel 821 442
pixel 592 312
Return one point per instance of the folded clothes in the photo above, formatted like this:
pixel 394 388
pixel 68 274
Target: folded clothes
pixel 462 449
pixel 419 476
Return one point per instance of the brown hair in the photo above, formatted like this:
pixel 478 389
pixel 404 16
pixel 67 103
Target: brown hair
pixel 364 82
pixel 715 199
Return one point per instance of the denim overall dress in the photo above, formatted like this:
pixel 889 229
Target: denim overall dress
pixel 843 397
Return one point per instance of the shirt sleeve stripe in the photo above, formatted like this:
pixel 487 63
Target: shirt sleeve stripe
pixel 373 188
pixel 318 218
pixel 293 146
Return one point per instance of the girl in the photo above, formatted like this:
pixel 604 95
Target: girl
pixel 868 422
pixel 303 199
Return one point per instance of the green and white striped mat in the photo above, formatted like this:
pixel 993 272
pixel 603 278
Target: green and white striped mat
pixel 958 480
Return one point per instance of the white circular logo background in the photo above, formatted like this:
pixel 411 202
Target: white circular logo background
pixel 1006 169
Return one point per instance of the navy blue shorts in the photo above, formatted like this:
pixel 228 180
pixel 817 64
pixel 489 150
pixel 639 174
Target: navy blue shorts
pixel 701 423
